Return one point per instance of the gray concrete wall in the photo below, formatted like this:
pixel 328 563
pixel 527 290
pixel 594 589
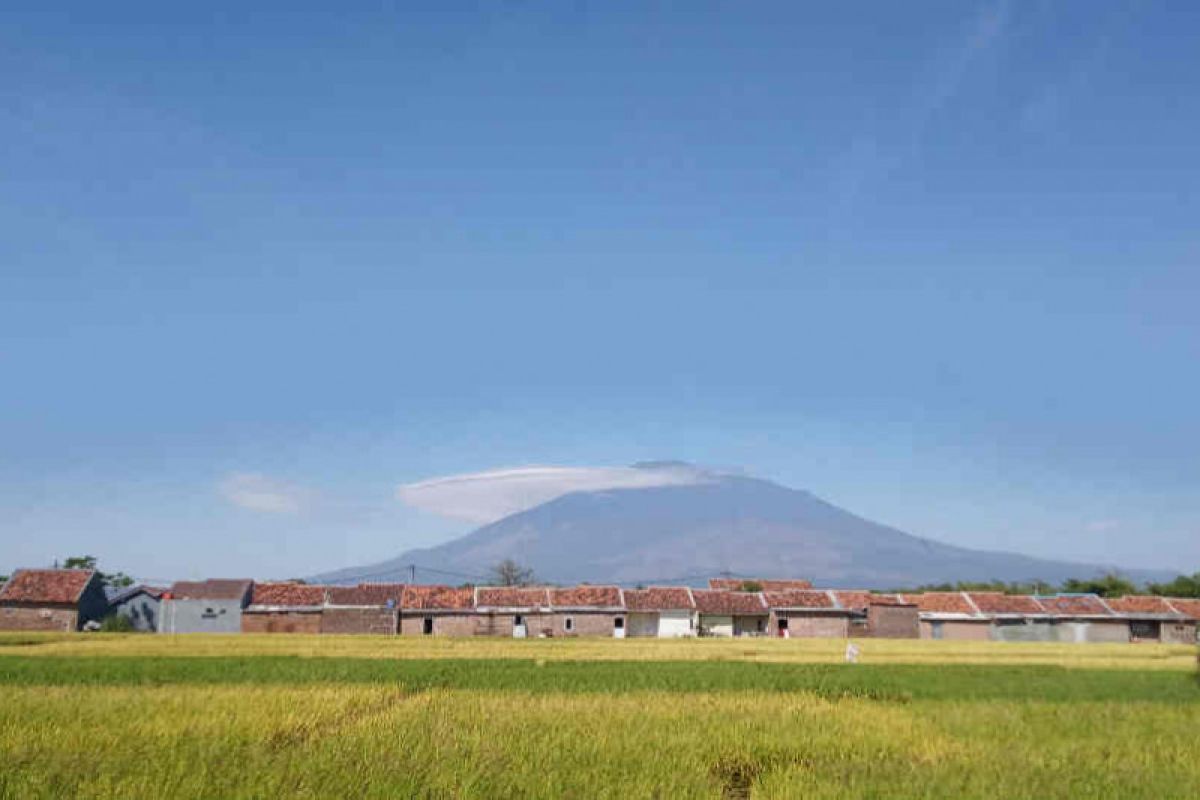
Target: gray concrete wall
pixel 1027 631
pixel 200 616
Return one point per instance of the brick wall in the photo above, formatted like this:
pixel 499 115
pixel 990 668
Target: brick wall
pixel 893 622
pixel 804 626
pixel 443 624
pixel 585 624
pixel 26 618
pixel 359 620
pixel 281 622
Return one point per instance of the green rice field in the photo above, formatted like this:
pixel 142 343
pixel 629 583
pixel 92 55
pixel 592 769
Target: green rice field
pixel 322 716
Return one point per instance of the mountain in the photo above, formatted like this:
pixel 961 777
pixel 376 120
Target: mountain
pixel 720 523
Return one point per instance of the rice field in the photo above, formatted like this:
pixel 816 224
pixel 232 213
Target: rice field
pixel 294 716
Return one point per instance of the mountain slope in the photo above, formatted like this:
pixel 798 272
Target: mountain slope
pixel 724 523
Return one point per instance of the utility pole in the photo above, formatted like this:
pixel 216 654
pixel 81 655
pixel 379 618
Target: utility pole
pixel 412 573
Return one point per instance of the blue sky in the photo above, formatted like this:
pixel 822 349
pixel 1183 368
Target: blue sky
pixel 260 267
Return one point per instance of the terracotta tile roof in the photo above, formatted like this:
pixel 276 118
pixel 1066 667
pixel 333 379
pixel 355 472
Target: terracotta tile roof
pixel 799 598
pixel 212 589
pixel 770 585
pixel 659 598
pixel 431 598
pixel 46 585
pixel 767 584
pixel 1139 604
pixel 586 597
pixel 941 603
pixel 1188 606
pixel 512 597
pixel 1000 603
pixel 1075 605
pixel 287 594
pixel 718 601
pixel 366 594
pixel 862 600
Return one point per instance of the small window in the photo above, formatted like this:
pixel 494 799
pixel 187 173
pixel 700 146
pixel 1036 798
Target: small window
pixel 569 624
pixel 427 626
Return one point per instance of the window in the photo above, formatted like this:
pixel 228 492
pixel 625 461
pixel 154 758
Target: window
pixel 619 623
pixel 1143 629
pixel 569 624
pixel 427 626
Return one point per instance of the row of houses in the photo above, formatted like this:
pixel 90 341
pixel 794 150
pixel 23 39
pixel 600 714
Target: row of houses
pixel 70 599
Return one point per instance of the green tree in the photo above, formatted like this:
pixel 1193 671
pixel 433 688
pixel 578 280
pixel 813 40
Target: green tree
pixel 1110 585
pixel 118 580
pixel 1182 586
pixel 510 573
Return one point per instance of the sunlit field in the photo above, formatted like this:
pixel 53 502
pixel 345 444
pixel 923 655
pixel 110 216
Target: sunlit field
pixel 270 716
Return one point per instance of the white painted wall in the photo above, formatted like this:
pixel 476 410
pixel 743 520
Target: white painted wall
pixel 717 625
pixel 673 624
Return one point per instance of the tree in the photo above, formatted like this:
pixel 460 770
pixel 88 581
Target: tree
pixel 117 580
pixel 1110 585
pixel 510 573
pixel 1182 586
pixel 751 586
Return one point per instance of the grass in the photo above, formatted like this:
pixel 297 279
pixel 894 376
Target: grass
pixel 293 716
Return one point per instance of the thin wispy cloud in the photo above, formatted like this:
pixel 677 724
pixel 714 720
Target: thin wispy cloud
pixel 483 497
pixel 257 492
pixel 1102 525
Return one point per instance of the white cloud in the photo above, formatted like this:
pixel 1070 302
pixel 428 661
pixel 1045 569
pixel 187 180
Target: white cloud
pixel 483 497
pixel 257 492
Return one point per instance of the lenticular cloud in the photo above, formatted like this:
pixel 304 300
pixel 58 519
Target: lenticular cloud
pixel 484 497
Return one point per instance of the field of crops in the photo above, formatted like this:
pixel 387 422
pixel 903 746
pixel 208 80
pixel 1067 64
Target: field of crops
pixel 271 716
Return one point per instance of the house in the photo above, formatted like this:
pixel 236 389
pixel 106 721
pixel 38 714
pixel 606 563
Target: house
pixel 52 600
pixel 138 604
pixel 438 611
pixel 284 608
pixel 949 615
pixel 514 611
pixel 882 616
pixel 1084 618
pixel 587 611
pixel 1015 617
pixel 1189 607
pixel 211 606
pixel 726 613
pixel 806 613
pixel 666 612
pixel 365 608
pixel 1153 619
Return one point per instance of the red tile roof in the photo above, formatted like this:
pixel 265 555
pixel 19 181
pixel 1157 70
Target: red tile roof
pixel 1075 605
pixel 1188 606
pixel 766 584
pixel 659 598
pixel 1000 603
pixel 586 597
pixel 366 594
pixel 770 585
pixel 718 601
pixel 287 594
pixel 941 603
pixel 863 600
pixel 512 597
pixel 799 598
pixel 215 589
pixel 46 586
pixel 1139 604
pixel 437 597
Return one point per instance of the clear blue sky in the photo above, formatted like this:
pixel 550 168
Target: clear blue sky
pixel 938 263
